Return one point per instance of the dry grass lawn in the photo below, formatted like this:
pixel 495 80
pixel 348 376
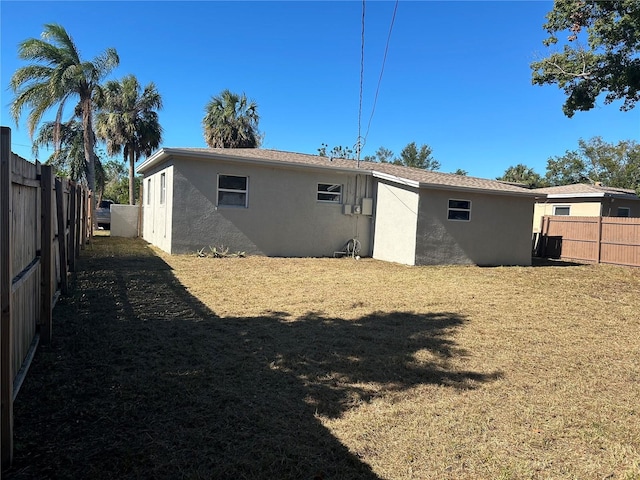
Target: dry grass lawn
pixel 184 367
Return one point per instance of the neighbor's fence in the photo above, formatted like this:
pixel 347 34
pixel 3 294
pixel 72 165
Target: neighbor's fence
pixel 44 221
pixel 614 240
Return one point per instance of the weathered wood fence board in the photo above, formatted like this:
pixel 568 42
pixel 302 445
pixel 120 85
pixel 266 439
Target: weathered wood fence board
pixel 42 229
pixel 614 240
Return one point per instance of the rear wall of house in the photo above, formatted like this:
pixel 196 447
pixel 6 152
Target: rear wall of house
pixel 283 216
pixel 498 232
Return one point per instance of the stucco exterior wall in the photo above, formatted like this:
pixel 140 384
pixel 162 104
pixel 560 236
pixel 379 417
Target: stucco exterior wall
pixel 498 233
pixel 124 220
pixel 610 208
pixel 283 217
pixel 157 215
pixel 396 217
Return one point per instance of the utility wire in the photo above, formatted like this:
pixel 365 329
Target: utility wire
pixel 384 59
pixel 359 143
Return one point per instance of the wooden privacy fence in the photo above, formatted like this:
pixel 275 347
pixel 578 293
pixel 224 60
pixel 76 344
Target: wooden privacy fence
pixel 44 221
pixel 614 240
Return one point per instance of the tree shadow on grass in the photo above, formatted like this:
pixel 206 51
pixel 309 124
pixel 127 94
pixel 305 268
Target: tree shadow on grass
pixel 144 381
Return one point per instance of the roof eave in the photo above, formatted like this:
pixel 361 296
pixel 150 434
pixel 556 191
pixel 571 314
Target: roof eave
pixel 458 188
pixel 564 196
pixel 165 153
pixel 510 193
pixel 153 160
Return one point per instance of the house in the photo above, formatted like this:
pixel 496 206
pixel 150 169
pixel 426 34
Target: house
pixel 585 200
pixel 278 203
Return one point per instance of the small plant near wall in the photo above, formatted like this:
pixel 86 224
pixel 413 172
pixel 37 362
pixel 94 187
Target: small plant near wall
pixel 219 252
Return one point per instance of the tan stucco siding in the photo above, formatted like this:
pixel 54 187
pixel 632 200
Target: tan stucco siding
pixel 156 215
pixel 585 208
pixel 498 232
pixel 607 207
pixel 283 216
pixel 396 216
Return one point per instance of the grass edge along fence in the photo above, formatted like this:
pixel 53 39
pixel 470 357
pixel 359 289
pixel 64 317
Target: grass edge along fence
pixel 44 222
pixel 612 240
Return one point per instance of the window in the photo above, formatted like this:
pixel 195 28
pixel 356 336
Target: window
pixel 459 210
pixel 562 210
pixel 232 190
pixel 624 212
pixel 163 188
pixel 149 191
pixel 329 192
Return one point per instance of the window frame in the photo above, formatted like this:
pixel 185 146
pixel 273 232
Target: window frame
pixel 568 207
pixel 245 192
pixel 626 209
pixel 451 209
pixel 337 201
pixel 163 188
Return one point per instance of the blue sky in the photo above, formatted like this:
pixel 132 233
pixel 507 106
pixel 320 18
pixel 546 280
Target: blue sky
pixel 457 74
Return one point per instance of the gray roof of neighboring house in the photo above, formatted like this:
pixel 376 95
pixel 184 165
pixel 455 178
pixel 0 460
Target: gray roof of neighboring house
pixel 396 173
pixel 582 190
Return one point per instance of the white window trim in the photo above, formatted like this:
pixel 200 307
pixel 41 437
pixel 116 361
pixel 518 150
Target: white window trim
pixel 335 202
pixel 562 206
pixel 232 190
pixel 449 209
pixel 163 188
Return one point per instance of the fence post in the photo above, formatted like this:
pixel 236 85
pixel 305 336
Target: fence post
pixel 62 238
pixel 83 218
pixel 72 227
pixel 90 213
pixel 599 240
pixel 544 229
pixel 78 239
pixel 47 287
pixel 6 334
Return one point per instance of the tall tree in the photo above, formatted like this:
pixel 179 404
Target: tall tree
pixel 231 121
pixel 56 74
pixel 412 156
pixel 614 165
pixel 128 122
pixel 117 181
pixel 607 63
pixel 524 175
pixel 68 160
pixel 382 155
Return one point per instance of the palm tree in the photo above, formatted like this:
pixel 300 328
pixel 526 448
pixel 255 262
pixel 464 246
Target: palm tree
pixel 68 159
pixel 231 121
pixel 128 121
pixel 56 74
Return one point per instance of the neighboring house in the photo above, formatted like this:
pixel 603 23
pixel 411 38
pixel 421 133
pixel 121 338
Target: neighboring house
pixel 279 203
pixel 585 200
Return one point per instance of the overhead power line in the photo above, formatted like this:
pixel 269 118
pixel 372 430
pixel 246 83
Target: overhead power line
pixel 384 60
pixel 358 142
